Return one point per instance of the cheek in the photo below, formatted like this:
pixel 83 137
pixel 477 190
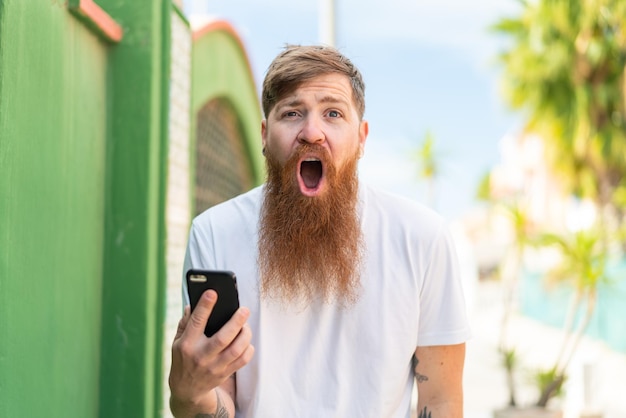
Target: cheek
pixel 346 152
pixel 279 150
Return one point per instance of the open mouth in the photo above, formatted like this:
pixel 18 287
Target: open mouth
pixel 311 175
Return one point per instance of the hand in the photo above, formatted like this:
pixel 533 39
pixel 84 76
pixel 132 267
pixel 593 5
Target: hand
pixel 201 364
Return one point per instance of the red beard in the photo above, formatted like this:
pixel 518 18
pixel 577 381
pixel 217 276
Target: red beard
pixel 310 248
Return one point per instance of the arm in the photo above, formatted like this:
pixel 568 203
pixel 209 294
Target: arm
pixel 202 375
pixel 439 377
pixel 218 403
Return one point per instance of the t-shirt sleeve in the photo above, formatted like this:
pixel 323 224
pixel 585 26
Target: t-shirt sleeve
pixel 443 315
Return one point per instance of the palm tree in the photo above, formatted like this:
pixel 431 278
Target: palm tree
pixel 429 165
pixel 483 190
pixel 522 228
pixel 583 267
pixel 510 270
pixel 566 69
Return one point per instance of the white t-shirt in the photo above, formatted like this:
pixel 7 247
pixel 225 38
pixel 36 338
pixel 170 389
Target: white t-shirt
pixel 328 361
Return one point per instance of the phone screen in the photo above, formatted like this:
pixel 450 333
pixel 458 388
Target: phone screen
pixel 225 284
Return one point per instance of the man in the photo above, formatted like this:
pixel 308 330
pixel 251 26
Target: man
pixel 348 294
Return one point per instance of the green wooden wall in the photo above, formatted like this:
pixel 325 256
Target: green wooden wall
pixel 82 151
pixel 53 132
pixel 134 265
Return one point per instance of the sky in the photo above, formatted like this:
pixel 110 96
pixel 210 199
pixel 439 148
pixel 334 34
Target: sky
pixel 428 65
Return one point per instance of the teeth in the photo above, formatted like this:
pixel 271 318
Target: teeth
pixel 311 159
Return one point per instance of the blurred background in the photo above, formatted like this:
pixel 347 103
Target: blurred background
pixel 120 121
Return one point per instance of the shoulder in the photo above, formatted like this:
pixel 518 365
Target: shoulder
pixel 391 209
pixel 236 212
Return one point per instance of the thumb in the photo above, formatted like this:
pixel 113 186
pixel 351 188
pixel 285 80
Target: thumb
pixel 201 313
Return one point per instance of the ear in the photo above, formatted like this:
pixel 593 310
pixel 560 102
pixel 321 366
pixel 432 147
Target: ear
pixel 263 133
pixel 364 130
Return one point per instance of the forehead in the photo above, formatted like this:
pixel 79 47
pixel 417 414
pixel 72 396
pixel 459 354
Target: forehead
pixel 330 87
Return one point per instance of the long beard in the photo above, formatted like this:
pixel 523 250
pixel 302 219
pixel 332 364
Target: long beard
pixel 310 248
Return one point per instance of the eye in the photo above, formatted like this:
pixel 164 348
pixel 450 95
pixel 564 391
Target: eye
pixel 290 114
pixel 333 114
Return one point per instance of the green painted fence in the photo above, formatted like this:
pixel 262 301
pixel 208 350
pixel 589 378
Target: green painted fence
pixel 82 146
pixel 84 100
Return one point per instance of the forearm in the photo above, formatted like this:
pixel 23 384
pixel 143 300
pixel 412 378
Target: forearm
pixel 217 404
pixel 439 378
pixel 442 409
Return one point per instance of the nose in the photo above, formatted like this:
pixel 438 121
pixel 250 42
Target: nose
pixel 311 131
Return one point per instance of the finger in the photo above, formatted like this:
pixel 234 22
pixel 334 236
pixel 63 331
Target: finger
pixel 227 334
pixel 241 361
pixel 200 315
pixel 239 345
pixel 182 324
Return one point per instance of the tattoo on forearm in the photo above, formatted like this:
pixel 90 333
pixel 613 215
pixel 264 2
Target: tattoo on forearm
pixel 220 411
pixel 424 413
pixel 420 378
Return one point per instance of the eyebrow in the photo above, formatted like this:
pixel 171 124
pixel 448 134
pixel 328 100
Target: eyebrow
pixel 325 99
pixel 332 99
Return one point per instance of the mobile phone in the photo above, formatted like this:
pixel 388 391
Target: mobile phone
pixel 225 284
